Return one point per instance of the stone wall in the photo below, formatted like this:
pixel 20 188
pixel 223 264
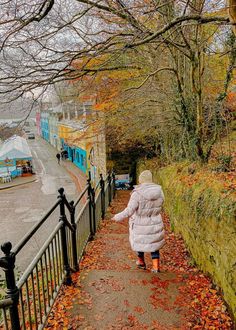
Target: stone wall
pixel 205 217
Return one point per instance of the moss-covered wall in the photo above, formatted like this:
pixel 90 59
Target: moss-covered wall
pixel 204 214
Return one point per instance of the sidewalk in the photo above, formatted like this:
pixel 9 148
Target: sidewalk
pixel 18 182
pixel 109 292
pixel 77 175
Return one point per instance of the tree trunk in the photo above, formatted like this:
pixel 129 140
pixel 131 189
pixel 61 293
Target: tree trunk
pixel 232 13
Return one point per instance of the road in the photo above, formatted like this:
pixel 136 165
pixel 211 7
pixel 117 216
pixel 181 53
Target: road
pixel 22 206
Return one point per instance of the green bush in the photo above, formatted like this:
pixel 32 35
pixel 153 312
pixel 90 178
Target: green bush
pixel 225 163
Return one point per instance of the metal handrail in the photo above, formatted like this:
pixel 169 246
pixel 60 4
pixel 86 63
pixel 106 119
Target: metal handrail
pixel 6 303
pixel 81 195
pixel 67 204
pixel 66 222
pixel 57 258
pixel 97 186
pixel 97 196
pixel 81 211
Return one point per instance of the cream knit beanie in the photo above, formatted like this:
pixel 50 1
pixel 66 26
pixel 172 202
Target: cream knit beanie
pixel 145 177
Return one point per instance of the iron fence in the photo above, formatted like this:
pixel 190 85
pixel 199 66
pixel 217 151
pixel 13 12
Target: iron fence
pixel 28 302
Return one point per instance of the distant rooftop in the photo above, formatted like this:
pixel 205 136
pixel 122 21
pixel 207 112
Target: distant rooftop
pixel 73 124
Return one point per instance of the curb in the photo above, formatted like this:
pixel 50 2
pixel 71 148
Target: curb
pixel 17 184
pixel 75 178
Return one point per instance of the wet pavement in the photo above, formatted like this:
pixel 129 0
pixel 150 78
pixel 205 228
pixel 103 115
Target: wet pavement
pixel 18 182
pixel 22 206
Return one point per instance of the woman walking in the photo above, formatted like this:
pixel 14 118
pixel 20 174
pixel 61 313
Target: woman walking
pixel 146 230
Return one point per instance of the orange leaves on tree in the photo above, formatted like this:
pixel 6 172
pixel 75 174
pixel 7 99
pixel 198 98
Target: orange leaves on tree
pixel 101 85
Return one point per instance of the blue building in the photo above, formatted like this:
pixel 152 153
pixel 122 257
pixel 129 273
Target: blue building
pixel 45 129
pixel 76 155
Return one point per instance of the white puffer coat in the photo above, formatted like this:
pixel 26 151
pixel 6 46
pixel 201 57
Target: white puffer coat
pixel 145 224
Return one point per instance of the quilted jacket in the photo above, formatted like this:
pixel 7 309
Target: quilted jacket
pixel 146 230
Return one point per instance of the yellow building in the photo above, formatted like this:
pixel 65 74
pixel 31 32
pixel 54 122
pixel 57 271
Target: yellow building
pixel 85 143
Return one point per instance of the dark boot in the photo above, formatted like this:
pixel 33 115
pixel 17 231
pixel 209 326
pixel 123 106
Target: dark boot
pixel 141 263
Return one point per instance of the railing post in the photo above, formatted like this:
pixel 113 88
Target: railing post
pixel 109 188
pixel 90 198
pixel 94 210
pixel 73 236
pixel 113 184
pixel 102 187
pixel 63 237
pixel 7 263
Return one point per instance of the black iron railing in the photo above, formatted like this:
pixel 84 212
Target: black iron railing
pixel 28 302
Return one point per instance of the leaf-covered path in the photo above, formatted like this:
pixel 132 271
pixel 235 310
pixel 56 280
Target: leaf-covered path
pixel 109 292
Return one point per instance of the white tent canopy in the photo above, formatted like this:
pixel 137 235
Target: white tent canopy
pixel 15 148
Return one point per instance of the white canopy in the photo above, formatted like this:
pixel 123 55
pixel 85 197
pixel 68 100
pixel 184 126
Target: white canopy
pixel 15 148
